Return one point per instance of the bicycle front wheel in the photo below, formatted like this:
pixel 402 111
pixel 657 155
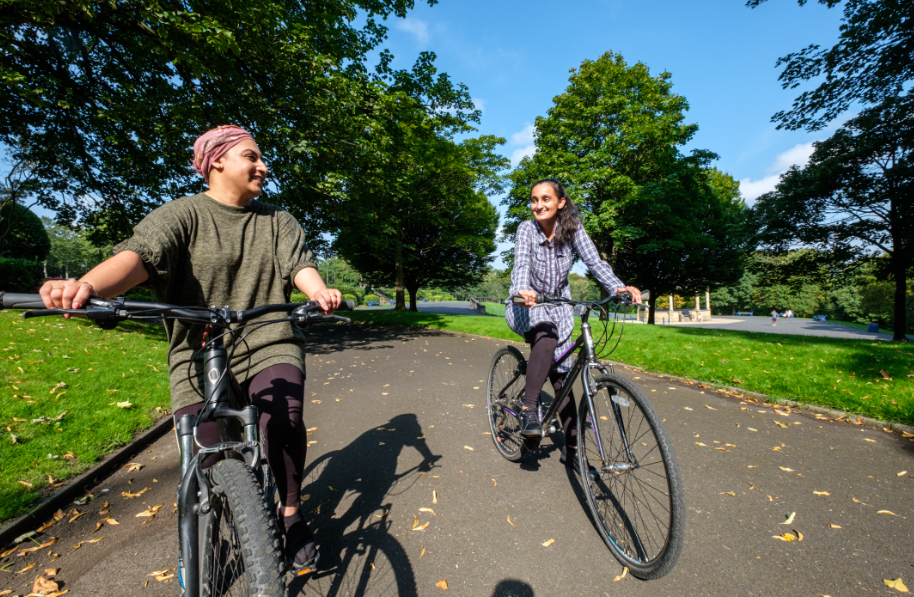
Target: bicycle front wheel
pixel 240 550
pixel 635 496
pixel 504 400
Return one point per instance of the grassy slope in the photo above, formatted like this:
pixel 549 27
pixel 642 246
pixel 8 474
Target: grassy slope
pixel 36 356
pixel 831 372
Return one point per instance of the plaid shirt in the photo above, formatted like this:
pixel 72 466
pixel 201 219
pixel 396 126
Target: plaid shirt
pixel 542 267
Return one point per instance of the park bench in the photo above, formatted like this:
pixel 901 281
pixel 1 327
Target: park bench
pixel 749 313
pixel 820 318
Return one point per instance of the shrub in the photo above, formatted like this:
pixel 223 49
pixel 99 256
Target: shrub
pixel 19 275
pixel 298 297
pixel 351 297
pixel 371 297
pixel 22 235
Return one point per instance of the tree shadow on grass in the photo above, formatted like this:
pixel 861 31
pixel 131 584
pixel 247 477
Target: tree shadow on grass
pixel 347 505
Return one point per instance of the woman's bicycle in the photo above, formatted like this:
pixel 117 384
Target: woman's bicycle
pixel 229 538
pixel 632 482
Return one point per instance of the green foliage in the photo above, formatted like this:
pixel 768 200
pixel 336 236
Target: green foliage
pixel 22 236
pixel 72 249
pixel 853 200
pixel 19 275
pixel 664 221
pixel 370 298
pixel 870 63
pixel 583 288
pixel 104 99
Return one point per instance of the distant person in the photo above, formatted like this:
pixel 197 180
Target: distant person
pixel 774 318
pixel 543 253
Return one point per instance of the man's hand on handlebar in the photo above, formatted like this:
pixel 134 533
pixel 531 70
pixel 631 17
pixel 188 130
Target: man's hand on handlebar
pixel 636 294
pixel 529 297
pixel 329 299
pixel 66 294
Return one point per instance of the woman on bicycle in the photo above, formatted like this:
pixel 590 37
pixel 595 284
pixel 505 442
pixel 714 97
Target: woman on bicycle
pixel 543 254
pixel 223 247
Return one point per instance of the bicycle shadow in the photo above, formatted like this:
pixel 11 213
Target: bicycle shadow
pixel 512 588
pixel 359 555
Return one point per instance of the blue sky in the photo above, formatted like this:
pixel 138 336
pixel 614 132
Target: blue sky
pixel 514 56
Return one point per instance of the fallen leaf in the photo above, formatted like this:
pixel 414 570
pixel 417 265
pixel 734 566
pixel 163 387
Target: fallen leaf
pixel 509 522
pixel 710 407
pixel 468 448
pixel 421 527
pixel 790 518
pixel 730 493
pixel 428 510
pixel 123 404
pixel 59 514
pixel 51 572
pixel 422 553
pixel 382 515
pixel 111 521
pixel 150 512
pixel 884 375
pixel 95 540
pixel 799 535
pixel 415 522
pixel 779 424
pixel 129 495
pixel 133 466
pixel 621 576
pixel 902 474
pixel 869 440
pixel 548 543
pixel 896 584
pixel 45 526
pixel 834 526
pixel 784 468
pixel 98 525
pixel 434 497
pixel 889 513
pixel 686 408
pixel 76 514
pixel 442 584
pixel 43 586
pixel 701 444
pixel 11 550
pixel 785 537
pixel 821 493
pixel 26 483
pixel 856 501
pixel 27 568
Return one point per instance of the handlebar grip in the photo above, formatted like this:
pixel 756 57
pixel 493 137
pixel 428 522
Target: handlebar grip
pixel 519 300
pixel 347 306
pixel 19 300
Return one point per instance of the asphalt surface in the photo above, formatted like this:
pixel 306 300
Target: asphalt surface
pixel 398 417
pixel 442 308
pixel 798 326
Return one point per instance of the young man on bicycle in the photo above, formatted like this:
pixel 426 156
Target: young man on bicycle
pixel 543 254
pixel 223 247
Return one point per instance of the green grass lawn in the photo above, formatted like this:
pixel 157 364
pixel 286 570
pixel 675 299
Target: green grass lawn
pixel 51 367
pixel 832 372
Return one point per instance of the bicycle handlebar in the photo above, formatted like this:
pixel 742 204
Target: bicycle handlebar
pixel 118 309
pixel 620 298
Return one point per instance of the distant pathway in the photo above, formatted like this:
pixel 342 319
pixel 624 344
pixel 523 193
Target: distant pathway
pixel 443 308
pixel 798 326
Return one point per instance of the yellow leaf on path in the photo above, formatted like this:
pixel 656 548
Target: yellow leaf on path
pixel 442 584
pixel 6 592
pixel 621 576
pixel 150 512
pixel 44 586
pixel 686 408
pixel 9 551
pixel 160 572
pixel 834 526
pixel 799 535
pixel 701 444
pixel 95 540
pixel 421 528
pixel 869 440
pixel 422 553
pixel 44 527
pixel 59 514
pixel 112 521
pixel 382 515
pixel 896 584
pixel 779 424
pixel 784 468
pixel 133 466
pixel 468 448
pixel 902 473
pixel 434 497
pixel 790 518
pixel 76 514
pixel 51 572
pixel 98 525
pixel 751 429
pixel 27 568
pixel 710 407
pixel 730 493
pixel 858 501
pixel 548 543
pixel 129 495
pixel 509 521
pixel 415 522
pixel 785 537
pixel 384 393
pixel 428 510
pixel 890 513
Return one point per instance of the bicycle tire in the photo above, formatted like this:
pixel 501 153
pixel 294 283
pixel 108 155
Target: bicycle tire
pixel 638 511
pixel 240 551
pixel 504 394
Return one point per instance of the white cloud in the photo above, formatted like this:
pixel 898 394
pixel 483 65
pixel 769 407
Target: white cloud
pixel 417 27
pixel 524 136
pixel 521 153
pixel 479 104
pixel 795 156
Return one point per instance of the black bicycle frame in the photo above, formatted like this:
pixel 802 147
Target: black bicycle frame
pixel 195 488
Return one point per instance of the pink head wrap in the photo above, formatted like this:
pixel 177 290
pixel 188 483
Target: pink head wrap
pixel 212 144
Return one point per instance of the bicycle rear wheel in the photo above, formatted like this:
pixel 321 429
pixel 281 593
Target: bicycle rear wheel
pixel 240 551
pixel 504 400
pixel 637 502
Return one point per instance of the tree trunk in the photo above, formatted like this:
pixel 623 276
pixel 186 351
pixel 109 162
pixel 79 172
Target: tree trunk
pixel 400 295
pixel 413 291
pixel 900 267
pixel 651 304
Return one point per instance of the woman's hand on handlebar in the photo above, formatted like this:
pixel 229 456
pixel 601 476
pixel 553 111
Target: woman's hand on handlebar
pixel 529 297
pixel 636 294
pixel 66 294
pixel 329 299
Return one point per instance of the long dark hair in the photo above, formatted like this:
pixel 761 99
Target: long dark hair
pixel 568 221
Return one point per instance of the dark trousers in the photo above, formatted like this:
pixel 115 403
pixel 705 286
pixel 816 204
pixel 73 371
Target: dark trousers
pixel 543 339
pixel 278 393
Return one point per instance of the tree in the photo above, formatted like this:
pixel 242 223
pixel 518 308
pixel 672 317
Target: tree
pixel 663 221
pixel 870 63
pixel 22 235
pixel 103 99
pixel 854 197
pixel 71 249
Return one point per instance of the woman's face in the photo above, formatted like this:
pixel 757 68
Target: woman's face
pixel 545 204
pixel 241 170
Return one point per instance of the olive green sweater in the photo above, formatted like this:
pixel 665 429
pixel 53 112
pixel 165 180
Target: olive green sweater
pixel 199 252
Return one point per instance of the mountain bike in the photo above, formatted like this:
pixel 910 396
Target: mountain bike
pixel 229 537
pixel 632 482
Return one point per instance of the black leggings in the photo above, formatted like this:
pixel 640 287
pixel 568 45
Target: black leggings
pixel 543 339
pixel 278 393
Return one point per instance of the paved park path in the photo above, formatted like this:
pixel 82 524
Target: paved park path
pixel 399 418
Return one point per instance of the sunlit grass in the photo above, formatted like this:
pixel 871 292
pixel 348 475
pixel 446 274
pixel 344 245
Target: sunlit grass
pixel 99 368
pixel 833 372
